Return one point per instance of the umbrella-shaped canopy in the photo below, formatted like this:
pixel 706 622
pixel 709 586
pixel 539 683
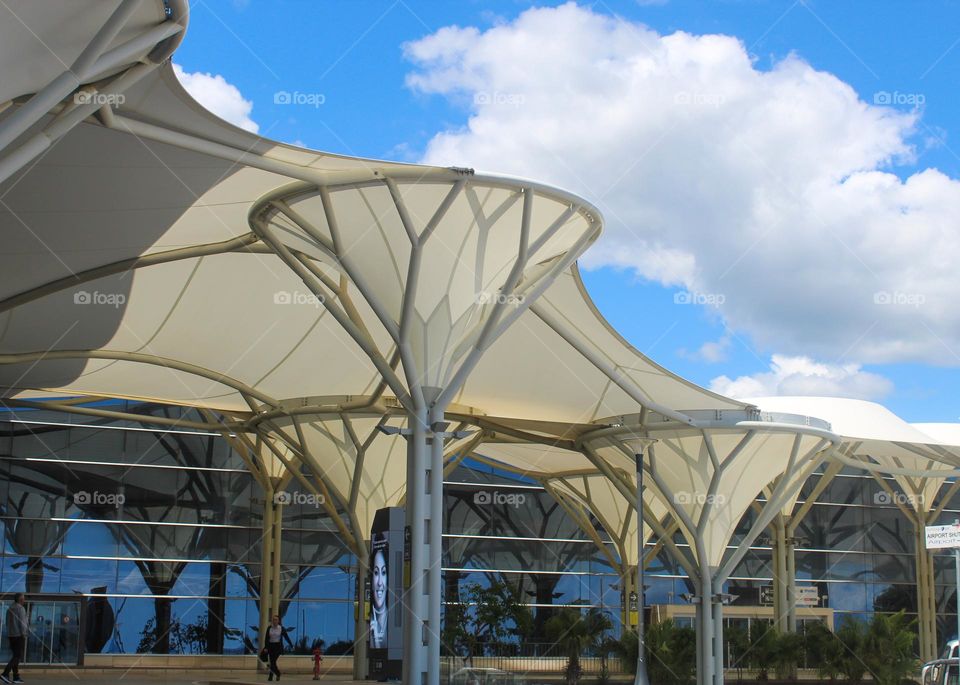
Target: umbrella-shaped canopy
pixel 708 476
pixel 876 439
pixel 158 287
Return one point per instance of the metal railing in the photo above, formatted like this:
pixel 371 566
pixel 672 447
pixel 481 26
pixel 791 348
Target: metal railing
pixel 502 664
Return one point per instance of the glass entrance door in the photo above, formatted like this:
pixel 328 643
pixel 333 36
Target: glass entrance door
pixel 54 631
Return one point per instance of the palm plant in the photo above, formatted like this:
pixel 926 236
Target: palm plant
pixel 824 651
pixel 888 648
pixel 575 633
pixel 763 649
pixel 672 653
pixel 852 636
pixel 787 655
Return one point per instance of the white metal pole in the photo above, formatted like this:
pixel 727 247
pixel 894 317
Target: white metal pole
pixel 413 625
pixel 956 556
pixel 641 677
pixel 434 608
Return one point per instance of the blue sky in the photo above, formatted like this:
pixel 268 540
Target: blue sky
pixel 384 92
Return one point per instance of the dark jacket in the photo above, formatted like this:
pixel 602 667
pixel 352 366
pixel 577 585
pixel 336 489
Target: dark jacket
pixel 16 621
pixel 279 644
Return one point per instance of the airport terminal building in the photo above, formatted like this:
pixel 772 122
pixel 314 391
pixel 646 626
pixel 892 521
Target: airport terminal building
pixel 148 541
pixel 223 358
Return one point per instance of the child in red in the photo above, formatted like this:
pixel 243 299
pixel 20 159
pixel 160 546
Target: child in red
pixel 317 658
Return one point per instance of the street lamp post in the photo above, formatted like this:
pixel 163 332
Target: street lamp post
pixel 637 445
pixel 641 678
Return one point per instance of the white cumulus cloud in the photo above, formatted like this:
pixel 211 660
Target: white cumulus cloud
pixel 772 187
pixel 804 376
pixel 219 96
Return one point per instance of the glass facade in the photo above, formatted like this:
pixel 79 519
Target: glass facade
pixel 142 540
pixel 160 532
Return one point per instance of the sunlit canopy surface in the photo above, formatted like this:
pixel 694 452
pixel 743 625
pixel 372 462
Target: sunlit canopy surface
pixel 918 459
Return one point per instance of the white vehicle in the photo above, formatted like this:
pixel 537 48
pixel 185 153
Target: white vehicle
pixel 945 670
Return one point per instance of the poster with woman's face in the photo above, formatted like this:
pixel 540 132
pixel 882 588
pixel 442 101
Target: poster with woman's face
pixel 378 591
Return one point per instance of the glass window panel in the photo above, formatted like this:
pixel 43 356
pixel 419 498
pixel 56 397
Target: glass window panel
pixel 829 527
pixel 846 566
pixel 14 573
pixel 326 548
pixel 152 495
pixel 900 567
pixel 190 627
pixel 36 490
pixel 96 492
pixel 325 582
pixel 891 597
pixel 812 565
pixel 91 444
pixel 90 539
pixel 4 479
pixel 242 545
pixel 291 550
pixel 847 597
pixel 756 563
pixel 242 580
pixel 130 579
pixel 39 442
pixel 83 575
pixel 237 624
pixel 331 622
pixel 136 624
pixel 193 579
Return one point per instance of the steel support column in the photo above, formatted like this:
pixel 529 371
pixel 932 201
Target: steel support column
pixel 781 604
pixel 270 548
pixel 706 661
pixel 360 625
pixel 435 589
pixel 926 600
pixel 414 585
pixel 701 647
pixel 791 549
pixel 628 583
pixel 641 677
pixel 718 646
pixel 276 540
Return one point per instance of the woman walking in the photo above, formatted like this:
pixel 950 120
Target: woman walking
pixel 276 634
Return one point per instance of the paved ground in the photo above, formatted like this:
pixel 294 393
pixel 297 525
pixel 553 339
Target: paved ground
pixel 170 678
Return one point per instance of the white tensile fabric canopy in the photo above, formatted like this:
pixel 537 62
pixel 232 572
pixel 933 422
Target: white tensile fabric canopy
pixel 700 480
pixel 155 252
pixel 919 457
pixel 162 266
pixel 321 303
